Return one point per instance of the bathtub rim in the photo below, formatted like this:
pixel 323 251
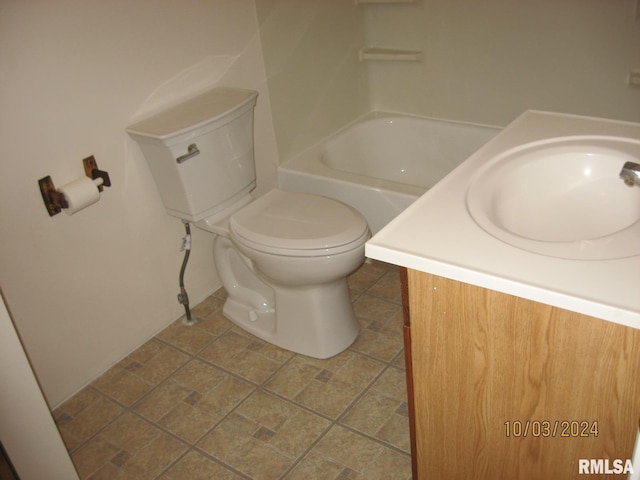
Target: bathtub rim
pixel 307 172
pixel 309 160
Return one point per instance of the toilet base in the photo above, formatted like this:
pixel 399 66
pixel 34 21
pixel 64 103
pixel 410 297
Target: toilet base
pixel 317 321
pixel 256 322
pixel 313 319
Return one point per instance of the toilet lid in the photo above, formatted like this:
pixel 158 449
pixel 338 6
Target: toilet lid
pixel 297 221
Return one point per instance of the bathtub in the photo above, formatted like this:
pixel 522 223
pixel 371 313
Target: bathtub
pixel 383 162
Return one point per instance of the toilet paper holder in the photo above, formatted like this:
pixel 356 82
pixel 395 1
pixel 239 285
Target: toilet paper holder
pixel 55 201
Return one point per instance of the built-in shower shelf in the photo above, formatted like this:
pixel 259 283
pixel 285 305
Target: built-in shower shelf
pixel 364 2
pixel 390 54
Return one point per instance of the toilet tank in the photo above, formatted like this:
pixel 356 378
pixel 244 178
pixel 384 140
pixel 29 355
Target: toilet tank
pixel 200 152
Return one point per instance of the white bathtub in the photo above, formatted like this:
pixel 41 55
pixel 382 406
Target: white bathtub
pixel 383 162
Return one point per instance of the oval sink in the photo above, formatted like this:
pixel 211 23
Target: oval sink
pixel 561 197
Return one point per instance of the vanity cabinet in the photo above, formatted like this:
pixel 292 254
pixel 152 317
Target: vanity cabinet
pixel 501 387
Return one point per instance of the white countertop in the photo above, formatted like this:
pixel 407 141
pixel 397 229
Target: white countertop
pixel 437 235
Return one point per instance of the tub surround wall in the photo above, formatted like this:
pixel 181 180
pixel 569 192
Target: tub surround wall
pixel 489 61
pixel 316 81
pixel 86 290
pixel 482 62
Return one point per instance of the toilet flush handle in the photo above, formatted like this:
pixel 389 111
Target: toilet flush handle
pixel 192 151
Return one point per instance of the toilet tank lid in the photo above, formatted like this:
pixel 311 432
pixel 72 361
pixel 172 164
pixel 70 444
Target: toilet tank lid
pixel 195 112
pixel 298 221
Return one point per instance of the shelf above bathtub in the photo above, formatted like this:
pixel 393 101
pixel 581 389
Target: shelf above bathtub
pixel 390 54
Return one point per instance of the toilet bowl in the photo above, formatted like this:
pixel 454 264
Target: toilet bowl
pixel 283 260
pixel 283 257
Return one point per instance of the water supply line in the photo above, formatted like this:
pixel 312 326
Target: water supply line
pixel 183 298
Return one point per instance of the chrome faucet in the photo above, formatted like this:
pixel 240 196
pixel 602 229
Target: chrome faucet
pixel 630 173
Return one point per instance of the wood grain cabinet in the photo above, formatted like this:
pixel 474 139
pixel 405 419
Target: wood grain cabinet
pixel 506 388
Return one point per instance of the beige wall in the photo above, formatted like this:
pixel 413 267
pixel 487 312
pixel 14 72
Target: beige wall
pixel 87 289
pixel 487 61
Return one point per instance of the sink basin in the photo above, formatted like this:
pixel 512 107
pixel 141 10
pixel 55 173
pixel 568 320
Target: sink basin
pixel 561 197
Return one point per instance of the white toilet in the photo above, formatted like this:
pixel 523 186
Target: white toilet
pixel 283 258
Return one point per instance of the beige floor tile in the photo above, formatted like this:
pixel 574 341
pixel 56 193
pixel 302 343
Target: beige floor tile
pixel 93 456
pixel 187 422
pixel 215 324
pixel 396 430
pixel 145 353
pixel 349 449
pixel 378 345
pixel 191 339
pixel 122 385
pixel 299 432
pixel 162 400
pixel 376 309
pixel 139 372
pixel 261 463
pixel 76 404
pixel 210 305
pixel 199 376
pixel 361 457
pixel 327 399
pixel 130 433
pixel 332 364
pixel 382 339
pixel 243 444
pixel 245 355
pixel 153 458
pixel 392 384
pixel 382 412
pixel 389 465
pixel 225 396
pixel 325 386
pixel 188 385
pixel 266 410
pixel 382 418
pixel 83 416
pixel 155 361
pixel 294 377
pixel 388 287
pixel 193 400
pixel 282 425
pixel 371 413
pixel 366 276
pixel 110 472
pixel 317 467
pixel 138 449
pixel 195 466
pixel 357 374
pixel 399 361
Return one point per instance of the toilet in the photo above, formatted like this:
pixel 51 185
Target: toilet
pixel 283 257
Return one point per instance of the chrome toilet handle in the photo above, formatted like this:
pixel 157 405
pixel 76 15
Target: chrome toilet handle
pixel 192 151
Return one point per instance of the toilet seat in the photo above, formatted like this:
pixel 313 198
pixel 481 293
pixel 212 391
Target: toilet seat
pixel 298 224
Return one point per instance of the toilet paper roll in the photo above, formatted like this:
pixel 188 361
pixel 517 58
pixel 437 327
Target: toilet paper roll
pixel 80 194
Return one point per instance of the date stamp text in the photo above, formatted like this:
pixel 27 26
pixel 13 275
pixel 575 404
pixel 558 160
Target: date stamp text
pixel 551 428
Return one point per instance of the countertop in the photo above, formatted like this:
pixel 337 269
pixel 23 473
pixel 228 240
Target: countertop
pixel 437 235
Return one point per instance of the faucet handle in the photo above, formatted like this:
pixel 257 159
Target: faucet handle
pixel 630 173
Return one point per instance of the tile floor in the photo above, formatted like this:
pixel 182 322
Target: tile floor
pixel 213 402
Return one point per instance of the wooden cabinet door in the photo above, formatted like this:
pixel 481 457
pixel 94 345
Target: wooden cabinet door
pixel 507 388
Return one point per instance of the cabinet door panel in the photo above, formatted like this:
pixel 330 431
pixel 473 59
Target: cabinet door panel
pixel 509 388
